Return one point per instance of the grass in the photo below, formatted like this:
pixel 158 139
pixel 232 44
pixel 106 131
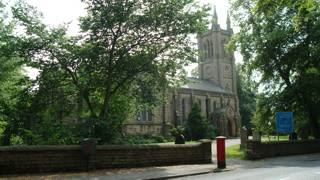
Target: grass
pixel 235 152
pixel 187 142
pixel 275 138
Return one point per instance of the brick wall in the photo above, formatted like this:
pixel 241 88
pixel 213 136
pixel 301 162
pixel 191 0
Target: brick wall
pixel 259 150
pixel 33 159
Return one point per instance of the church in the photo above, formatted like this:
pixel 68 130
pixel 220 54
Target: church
pixel 214 90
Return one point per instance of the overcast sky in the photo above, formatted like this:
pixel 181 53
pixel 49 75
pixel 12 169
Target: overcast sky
pixel 64 11
pixel 56 12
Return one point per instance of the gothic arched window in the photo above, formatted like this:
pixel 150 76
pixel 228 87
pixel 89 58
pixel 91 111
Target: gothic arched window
pixel 208 107
pixel 205 52
pixel 209 48
pixel 183 108
pixel 199 102
pixel 223 44
pixel 144 115
pixel 214 106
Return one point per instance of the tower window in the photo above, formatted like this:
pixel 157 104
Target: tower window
pixel 199 102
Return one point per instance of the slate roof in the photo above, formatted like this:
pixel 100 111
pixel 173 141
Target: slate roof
pixel 203 85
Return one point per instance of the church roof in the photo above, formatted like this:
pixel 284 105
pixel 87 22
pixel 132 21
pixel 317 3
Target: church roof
pixel 203 85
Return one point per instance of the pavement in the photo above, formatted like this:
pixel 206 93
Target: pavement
pixel 298 167
pixel 162 172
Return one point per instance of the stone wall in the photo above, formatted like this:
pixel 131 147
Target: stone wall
pixel 259 150
pixel 35 159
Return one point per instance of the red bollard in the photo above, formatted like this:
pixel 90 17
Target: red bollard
pixel 221 152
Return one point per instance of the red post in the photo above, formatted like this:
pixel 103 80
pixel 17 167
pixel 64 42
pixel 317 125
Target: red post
pixel 221 152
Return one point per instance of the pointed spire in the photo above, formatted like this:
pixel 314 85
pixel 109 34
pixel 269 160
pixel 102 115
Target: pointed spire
pixel 215 16
pixel 215 25
pixel 228 21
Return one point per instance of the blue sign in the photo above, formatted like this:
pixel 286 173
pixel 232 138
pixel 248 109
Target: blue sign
pixel 284 122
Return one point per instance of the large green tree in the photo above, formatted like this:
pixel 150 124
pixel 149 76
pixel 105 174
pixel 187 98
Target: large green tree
pixel 126 48
pixel 13 84
pixel 280 41
pixel 247 96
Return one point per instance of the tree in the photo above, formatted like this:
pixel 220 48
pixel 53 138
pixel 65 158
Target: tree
pixel 263 119
pixel 197 127
pixel 13 84
pixel 195 72
pixel 246 95
pixel 126 48
pixel 279 40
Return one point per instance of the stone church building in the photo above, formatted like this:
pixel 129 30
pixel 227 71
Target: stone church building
pixel 215 91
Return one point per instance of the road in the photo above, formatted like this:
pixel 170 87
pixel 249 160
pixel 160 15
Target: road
pixel 302 167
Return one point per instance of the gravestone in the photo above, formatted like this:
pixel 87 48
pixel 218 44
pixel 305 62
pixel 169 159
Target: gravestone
pixel 243 137
pixel 180 139
pixel 256 136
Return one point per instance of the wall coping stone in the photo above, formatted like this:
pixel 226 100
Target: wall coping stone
pixel 40 148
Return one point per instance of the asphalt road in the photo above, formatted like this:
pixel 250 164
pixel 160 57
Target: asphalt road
pixel 303 167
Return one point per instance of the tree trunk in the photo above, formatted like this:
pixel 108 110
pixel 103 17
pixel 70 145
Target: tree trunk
pixel 6 136
pixel 313 119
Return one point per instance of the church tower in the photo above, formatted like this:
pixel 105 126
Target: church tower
pixel 216 63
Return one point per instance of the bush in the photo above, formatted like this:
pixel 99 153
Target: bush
pixel 197 126
pixel 140 139
pixel 174 131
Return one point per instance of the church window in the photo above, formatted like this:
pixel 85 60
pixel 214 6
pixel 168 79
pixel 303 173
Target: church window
pixel 223 43
pixel 227 86
pixel 221 102
pixel 214 106
pixel 208 107
pixel 211 45
pixel 144 115
pixel 183 108
pixel 209 49
pixel 227 68
pixel 205 53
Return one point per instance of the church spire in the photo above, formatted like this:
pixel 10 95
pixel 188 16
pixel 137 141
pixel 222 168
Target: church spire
pixel 215 25
pixel 228 21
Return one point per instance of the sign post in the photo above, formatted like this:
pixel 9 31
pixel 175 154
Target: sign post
pixel 284 123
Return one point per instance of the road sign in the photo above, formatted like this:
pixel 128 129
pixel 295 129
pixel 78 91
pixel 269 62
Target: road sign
pixel 284 122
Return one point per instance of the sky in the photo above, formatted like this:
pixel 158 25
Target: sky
pixel 64 11
pixel 57 12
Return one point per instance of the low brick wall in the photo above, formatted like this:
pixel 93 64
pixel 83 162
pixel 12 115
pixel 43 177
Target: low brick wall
pixel 34 159
pixel 259 150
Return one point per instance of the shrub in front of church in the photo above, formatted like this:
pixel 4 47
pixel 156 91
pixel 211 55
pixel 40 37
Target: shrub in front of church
pixel 197 126
pixel 140 139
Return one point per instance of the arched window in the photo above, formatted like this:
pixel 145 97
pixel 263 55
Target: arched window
pixel 214 106
pixel 144 115
pixel 209 48
pixel 183 109
pixel 208 107
pixel 205 52
pixel 199 102
pixel 223 44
